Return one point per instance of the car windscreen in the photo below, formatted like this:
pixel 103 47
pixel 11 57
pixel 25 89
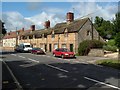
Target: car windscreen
pixel 64 50
pixel 37 49
pixel 27 46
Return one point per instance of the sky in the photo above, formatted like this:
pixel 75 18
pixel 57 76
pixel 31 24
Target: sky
pixel 23 14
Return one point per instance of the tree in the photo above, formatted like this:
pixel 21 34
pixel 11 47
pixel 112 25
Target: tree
pixel 2 29
pixel 116 23
pixel 105 28
pixel 117 42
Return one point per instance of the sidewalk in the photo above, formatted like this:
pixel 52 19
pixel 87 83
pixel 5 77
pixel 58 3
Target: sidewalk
pixel 88 59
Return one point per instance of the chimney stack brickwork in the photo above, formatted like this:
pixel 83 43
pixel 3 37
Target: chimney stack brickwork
pixel 70 17
pixel 47 24
pixel 32 27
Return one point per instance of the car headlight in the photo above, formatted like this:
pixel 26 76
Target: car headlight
pixel 66 54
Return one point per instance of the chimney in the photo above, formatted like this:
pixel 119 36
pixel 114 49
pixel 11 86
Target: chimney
pixel 22 29
pixel 70 17
pixel 32 27
pixel 47 24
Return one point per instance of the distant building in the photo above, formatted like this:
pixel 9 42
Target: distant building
pixel 11 39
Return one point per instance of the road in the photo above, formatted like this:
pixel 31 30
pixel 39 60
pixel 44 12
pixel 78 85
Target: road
pixel 45 71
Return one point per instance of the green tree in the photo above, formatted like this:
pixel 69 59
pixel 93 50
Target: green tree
pixel 2 29
pixel 116 23
pixel 105 28
pixel 117 42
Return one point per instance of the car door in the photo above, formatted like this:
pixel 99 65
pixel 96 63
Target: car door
pixel 57 52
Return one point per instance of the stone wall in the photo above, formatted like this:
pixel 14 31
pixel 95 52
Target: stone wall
pixel 96 52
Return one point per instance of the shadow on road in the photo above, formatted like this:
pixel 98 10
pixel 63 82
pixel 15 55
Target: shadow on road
pixel 33 75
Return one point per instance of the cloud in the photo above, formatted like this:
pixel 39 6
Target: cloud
pixel 53 10
pixel 42 17
pixel 92 9
pixel 15 19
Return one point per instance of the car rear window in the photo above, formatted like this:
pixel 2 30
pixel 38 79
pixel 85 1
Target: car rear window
pixel 27 46
pixel 64 50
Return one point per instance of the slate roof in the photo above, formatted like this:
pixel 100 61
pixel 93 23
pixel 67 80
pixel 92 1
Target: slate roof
pixel 59 28
pixel 10 35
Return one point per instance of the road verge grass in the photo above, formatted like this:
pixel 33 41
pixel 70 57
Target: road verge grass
pixel 110 63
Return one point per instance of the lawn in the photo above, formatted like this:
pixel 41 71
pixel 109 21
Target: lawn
pixel 109 63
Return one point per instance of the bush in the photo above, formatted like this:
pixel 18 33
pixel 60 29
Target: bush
pixel 111 42
pixel 85 46
pixel 110 48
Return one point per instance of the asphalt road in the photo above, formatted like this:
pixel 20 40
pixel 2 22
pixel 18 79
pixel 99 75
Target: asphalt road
pixel 45 71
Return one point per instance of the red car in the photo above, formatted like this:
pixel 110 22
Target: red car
pixel 63 52
pixel 37 51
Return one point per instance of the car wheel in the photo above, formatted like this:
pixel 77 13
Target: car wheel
pixel 54 55
pixel 62 56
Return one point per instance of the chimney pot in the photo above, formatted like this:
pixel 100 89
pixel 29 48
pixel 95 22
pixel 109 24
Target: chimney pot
pixel 32 27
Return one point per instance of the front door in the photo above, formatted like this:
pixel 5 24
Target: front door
pixel 71 47
pixel 50 48
pixel 45 47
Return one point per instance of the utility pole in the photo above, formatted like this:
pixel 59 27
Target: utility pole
pixel 58 40
pixel 16 37
pixel 92 28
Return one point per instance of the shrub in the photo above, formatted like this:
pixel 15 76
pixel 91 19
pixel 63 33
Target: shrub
pixel 110 48
pixel 85 46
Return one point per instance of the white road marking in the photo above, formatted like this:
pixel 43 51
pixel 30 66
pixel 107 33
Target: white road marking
pixel 21 56
pixel 102 83
pixel 66 59
pixel 56 68
pixel 76 61
pixel 14 54
pixel 33 60
pixel 48 56
pixel 1 60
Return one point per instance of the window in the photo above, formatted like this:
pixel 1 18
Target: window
pixel 55 46
pixel 88 33
pixel 63 45
pixel 30 37
pixel 38 36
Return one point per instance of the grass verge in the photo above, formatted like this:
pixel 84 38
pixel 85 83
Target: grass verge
pixel 110 63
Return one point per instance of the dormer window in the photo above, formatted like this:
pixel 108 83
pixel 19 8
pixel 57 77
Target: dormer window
pixel 53 35
pixel 30 37
pixel 17 32
pixel 42 35
pixel 66 33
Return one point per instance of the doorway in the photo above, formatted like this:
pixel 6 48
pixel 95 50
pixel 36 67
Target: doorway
pixel 71 47
pixel 50 47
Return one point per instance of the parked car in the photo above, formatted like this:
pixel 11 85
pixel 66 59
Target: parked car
pixel 63 52
pixel 23 47
pixel 37 51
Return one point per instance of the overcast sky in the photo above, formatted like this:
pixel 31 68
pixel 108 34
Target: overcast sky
pixel 24 14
